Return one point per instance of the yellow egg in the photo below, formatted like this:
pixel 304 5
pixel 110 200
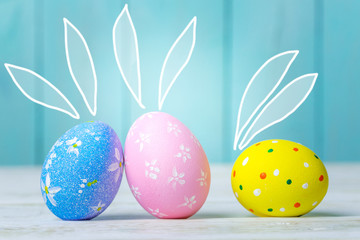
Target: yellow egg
pixel 279 178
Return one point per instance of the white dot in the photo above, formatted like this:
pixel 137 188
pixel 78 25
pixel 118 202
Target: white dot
pixel 82 185
pixel 282 209
pixel 80 191
pixel 245 161
pixel 314 203
pixel 305 185
pixel 276 172
pixel 306 164
pixel 236 194
pixel 257 192
pixel 84 181
pixel 274 141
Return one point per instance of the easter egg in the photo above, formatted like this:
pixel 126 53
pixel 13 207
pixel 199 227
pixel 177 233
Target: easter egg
pixel 279 178
pixel 166 167
pixel 82 172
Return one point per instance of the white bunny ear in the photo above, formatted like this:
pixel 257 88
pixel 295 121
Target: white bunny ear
pixel 28 78
pixel 81 65
pixel 127 53
pixel 261 86
pixel 281 106
pixel 176 59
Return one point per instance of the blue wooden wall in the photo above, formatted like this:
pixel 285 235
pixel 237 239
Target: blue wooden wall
pixel 234 38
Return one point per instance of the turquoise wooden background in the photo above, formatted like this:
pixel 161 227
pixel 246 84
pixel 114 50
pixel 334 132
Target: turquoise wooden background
pixel 234 38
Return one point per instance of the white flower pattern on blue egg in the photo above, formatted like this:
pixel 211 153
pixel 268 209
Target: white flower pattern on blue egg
pixel 49 161
pixel 74 144
pixel 116 166
pixel 99 207
pixel 57 144
pixel 49 192
pixel 82 185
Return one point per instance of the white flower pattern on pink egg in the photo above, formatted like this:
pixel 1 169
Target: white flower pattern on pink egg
pixel 176 178
pixel 173 128
pixel 135 191
pixel 149 115
pixel 152 170
pixel 195 140
pixel 189 202
pixel 143 138
pixel 131 131
pixel 126 160
pixel 184 154
pixel 203 178
pixel 156 212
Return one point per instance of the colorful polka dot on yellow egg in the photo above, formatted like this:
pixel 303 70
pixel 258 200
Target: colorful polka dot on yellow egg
pixel 279 178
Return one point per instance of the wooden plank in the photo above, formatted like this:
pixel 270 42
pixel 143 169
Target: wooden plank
pixel 221 217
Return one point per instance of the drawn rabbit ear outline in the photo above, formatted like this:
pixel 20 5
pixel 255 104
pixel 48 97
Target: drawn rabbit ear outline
pixel 293 95
pixel 50 88
pixel 170 55
pixel 125 28
pixel 285 59
pixel 279 107
pixel 80 67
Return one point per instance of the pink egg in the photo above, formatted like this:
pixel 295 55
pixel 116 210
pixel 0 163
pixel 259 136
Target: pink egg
pixel 166 167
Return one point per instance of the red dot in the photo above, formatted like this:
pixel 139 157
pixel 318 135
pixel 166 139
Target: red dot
pixel 234 173
pixel 296 149
pixel 297 205
pixel 257 144
pixel 262 175
pixel 321 178
pixel 251 210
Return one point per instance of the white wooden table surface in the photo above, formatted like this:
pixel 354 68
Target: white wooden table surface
pixel 23 215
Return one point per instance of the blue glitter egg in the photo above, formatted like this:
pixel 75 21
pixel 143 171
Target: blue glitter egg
pixel 82 172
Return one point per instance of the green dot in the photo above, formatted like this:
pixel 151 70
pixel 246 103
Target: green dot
pixel 316 156
pixel 270 150
pixel 288 181
pixel 241 188
pixel 270 210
